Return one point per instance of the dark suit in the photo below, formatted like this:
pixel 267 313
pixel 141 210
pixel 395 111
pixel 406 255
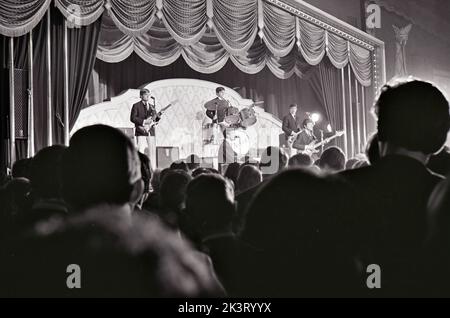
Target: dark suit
pixel 290 124
pixel 387 212
pixel 139 113
pixel 221 112
pixel 303 139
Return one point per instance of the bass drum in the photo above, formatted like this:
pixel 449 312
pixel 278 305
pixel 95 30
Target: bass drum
pixel 247 117
pixel 239 141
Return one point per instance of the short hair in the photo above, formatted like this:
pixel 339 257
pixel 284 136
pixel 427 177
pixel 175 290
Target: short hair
pixel 199 171
pixel 372 149
pixel 46 172
pixel 333 159
pixel 219 89
pixel 232 172
pixel 210 200
pixel 249 177
pixel 413 114
pixel 143 92
pixel 179 165
pixel 300 160
pixel 173 189
pixel 306 122
pixel 145 171
pixel 292 106
pixel 21 168
pixel 350 163
pixel 101 165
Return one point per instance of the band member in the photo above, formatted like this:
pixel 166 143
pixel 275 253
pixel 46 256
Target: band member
pixel 220 106
pixel 306 137
pixel 144 116
pixel 291 122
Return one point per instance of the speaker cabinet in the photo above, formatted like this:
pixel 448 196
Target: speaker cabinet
pixel 166 155
pixel 21 103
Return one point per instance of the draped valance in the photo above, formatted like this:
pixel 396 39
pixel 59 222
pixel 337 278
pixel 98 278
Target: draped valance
pixel 206 33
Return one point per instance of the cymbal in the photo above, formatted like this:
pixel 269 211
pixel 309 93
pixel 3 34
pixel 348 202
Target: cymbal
pixel 215 103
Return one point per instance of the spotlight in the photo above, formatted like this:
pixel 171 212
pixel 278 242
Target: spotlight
pixel 315 117
pixel 329 128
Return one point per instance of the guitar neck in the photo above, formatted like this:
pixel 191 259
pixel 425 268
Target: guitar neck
pixel 165 108
pixel 325 141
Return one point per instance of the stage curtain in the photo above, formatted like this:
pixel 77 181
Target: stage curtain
pixel 185 20
pixel 337 50
pixel 280 51
pixel 20 17
pixel 82 46
pixel 279 33
pixel 360 61
pixel 326 83
pixel 160 31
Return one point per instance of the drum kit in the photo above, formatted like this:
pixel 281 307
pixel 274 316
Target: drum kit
pixel 244 118
pixel 235 124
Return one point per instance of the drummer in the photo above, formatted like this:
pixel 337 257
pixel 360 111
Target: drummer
pixel 216 109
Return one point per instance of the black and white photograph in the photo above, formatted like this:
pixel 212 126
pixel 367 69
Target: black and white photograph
pixel 224 155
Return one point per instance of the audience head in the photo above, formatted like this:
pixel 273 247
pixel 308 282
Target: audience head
pixel 199 171
pixel 373 150
pixel 300 160
pixel 440 162
pixel 13 202
pixel 145 171
pixel 141 259
pixel 273 160
pixel 350 162
pixel 179 165
pixel 412 115
pixel 213 170
pixel 21 168
pixel 249 177
pixel 298 233
pixel 46 172
pixel 332 160
pixel 101 167
pixel 210 204
pixel 173 190
pixel 163 174
pixel 232 172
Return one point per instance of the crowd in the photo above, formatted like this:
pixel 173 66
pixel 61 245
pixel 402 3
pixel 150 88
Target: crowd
pixel 285 227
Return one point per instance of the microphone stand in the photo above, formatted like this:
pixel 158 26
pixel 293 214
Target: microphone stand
pixel 321 140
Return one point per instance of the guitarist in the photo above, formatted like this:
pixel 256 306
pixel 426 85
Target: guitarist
pixel 306 138
pixel 291 126
pixel 143 113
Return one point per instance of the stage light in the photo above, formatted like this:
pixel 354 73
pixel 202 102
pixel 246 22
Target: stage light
pixel 315 117
pixel 329 128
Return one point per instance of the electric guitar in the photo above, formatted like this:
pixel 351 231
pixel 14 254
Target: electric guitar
pixel 150 122
pixel 292 138
pixel 312 148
